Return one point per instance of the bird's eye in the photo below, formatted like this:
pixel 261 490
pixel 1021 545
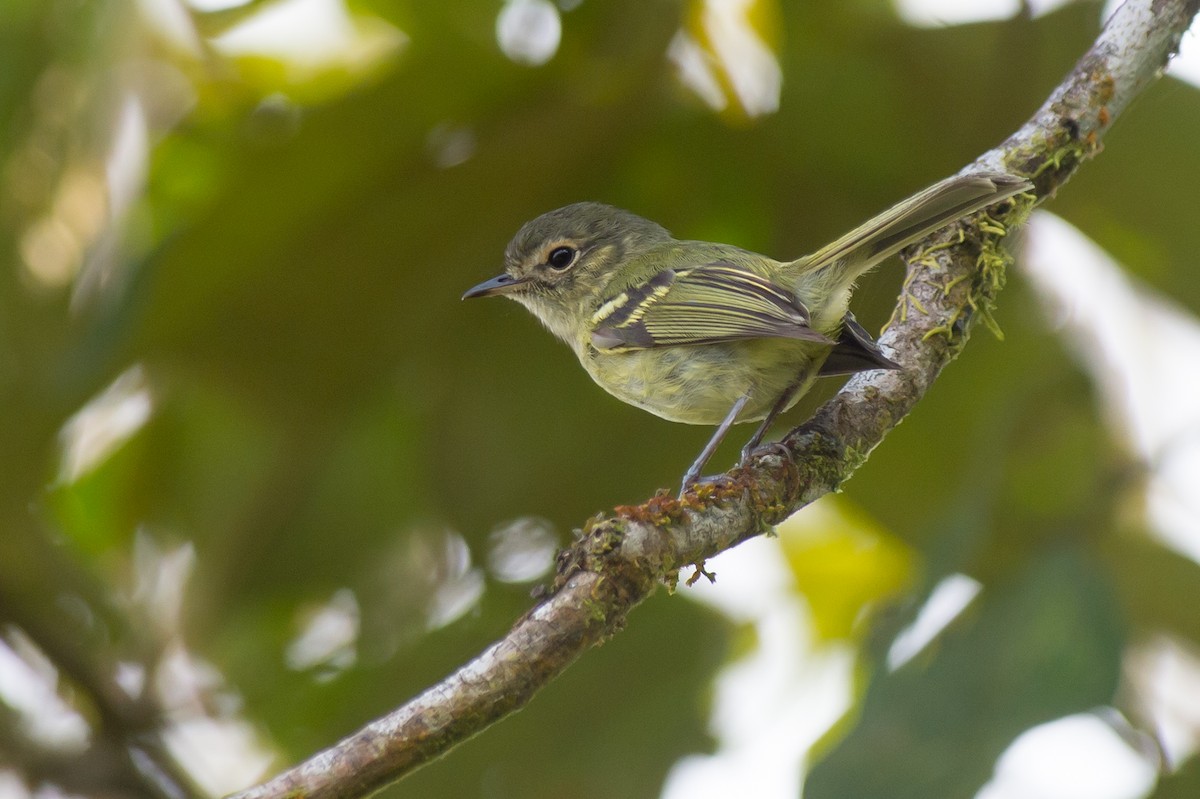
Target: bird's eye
pixel 561 257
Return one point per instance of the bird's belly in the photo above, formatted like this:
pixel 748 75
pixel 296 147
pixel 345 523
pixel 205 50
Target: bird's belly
pixel 698 384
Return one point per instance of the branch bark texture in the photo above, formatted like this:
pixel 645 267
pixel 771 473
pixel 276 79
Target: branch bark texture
pixel 619 559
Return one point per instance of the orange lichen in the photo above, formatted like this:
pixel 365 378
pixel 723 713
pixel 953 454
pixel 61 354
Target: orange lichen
pixel 700 572
pixel 661 509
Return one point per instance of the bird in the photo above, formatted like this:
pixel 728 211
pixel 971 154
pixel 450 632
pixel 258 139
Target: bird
pixel 707 333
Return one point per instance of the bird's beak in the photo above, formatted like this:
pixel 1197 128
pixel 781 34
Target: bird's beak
pixel 502 283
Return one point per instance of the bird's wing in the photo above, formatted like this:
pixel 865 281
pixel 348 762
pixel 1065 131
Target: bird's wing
pixel 702 304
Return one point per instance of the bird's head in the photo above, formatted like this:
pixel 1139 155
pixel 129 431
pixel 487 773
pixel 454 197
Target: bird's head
pixel 559 264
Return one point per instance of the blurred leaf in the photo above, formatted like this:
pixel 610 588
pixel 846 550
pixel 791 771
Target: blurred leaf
pixel 218 21
pixel 844 564
pixel 1043 644
pixel 1153 581
pixel 1181 784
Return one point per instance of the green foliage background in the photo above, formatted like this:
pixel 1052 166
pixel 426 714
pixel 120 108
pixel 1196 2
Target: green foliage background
pixel 325 408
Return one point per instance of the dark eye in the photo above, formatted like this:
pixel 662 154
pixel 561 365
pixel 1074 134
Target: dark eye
pixel 561 257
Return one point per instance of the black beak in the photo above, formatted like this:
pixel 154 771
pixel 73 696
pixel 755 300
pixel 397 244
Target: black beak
pixel 500 284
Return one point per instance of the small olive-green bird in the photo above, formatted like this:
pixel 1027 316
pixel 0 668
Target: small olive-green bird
pixel 708 333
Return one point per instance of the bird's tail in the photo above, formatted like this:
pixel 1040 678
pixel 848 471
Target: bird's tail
pixel 832 270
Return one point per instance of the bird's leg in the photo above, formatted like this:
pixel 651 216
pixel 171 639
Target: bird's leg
pixel 693 472
pixel 782 403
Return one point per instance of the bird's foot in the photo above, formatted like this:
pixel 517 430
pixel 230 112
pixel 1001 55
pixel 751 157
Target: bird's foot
pixel 754 448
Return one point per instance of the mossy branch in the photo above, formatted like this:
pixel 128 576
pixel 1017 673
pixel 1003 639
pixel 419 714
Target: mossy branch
pixel 619 559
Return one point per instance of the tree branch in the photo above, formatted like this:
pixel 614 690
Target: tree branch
pixel 619 559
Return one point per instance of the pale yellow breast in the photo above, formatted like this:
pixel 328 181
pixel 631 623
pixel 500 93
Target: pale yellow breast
pixel 698 384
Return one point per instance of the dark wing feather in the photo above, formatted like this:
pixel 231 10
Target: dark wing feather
pixel 855 351
pixel 701 305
